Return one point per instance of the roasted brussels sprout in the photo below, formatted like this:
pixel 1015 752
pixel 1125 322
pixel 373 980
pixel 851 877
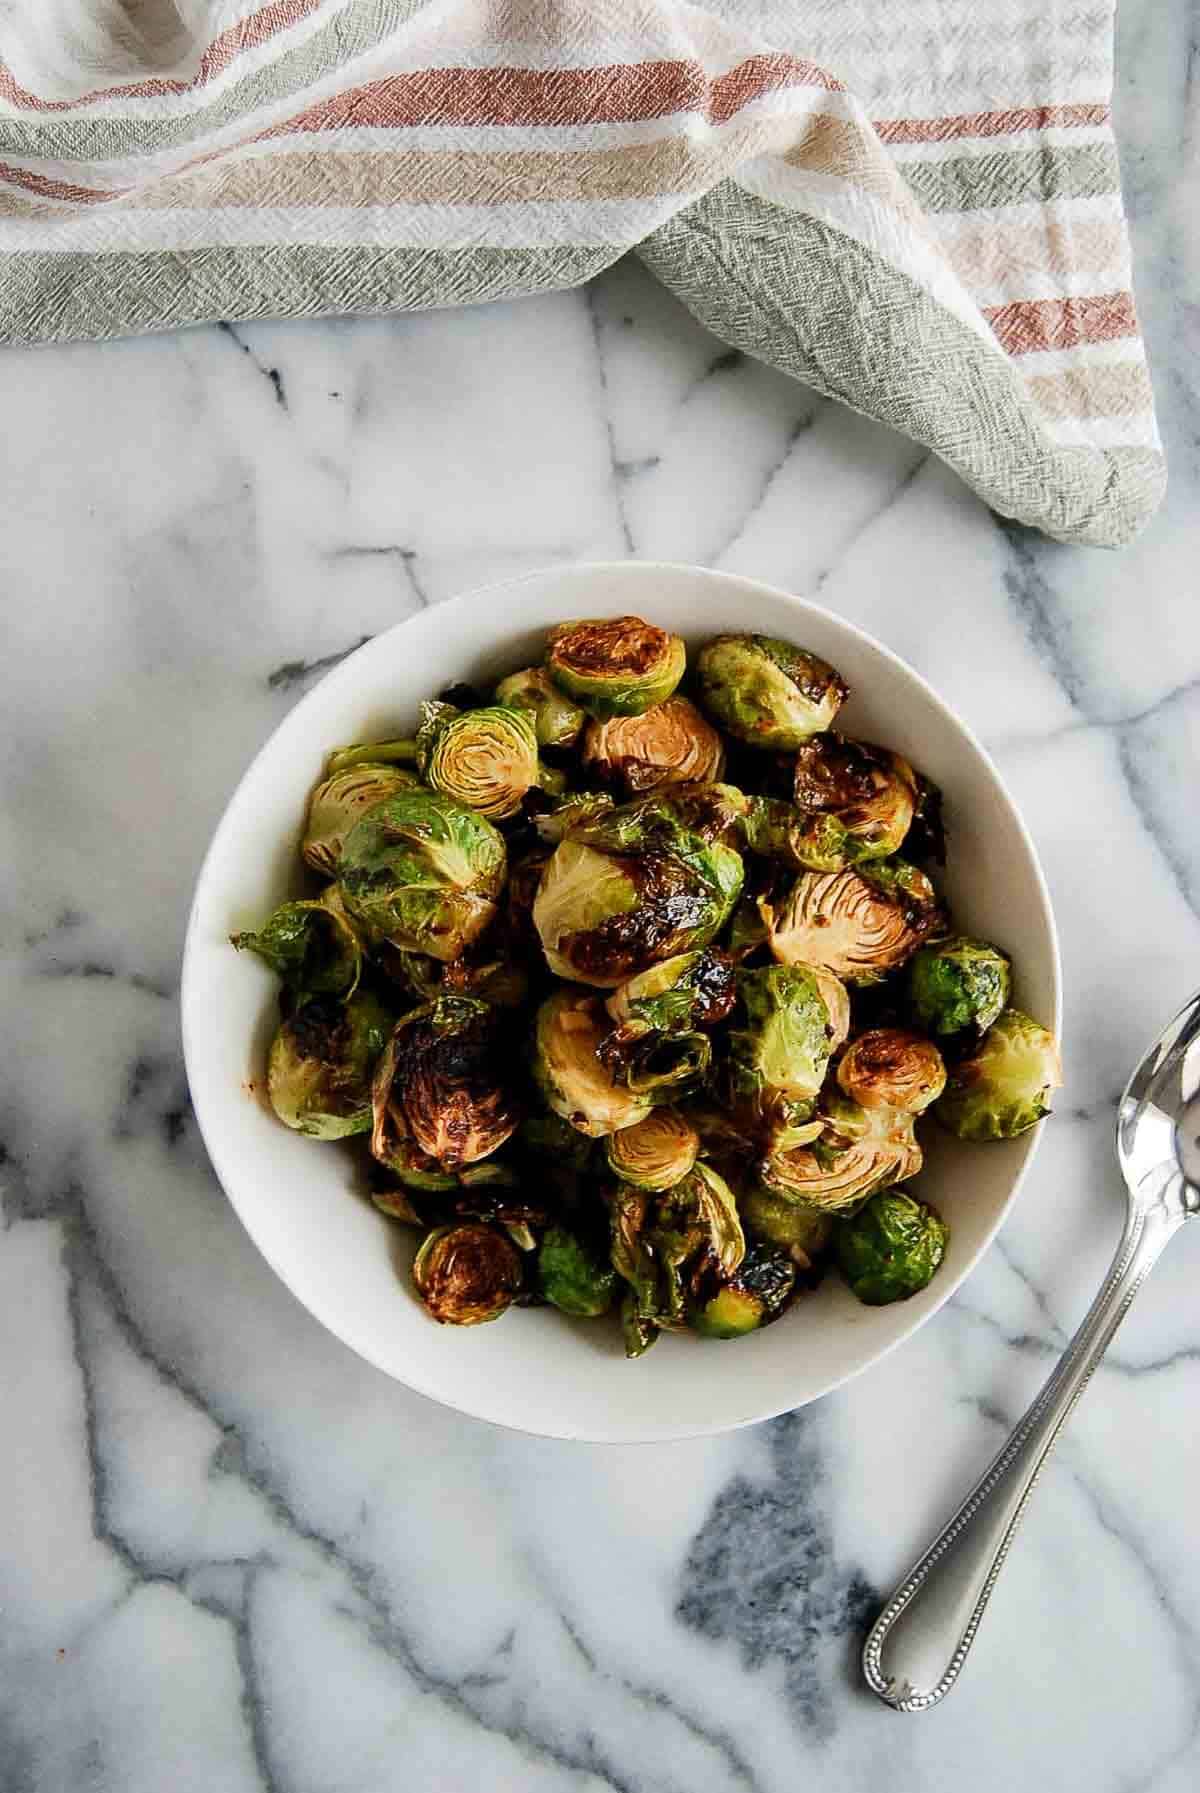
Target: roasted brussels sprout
pixel 803 1232
pixel 424 873
pixel 557 721
pixel 410 1166
pixel 338 803
pixel 669 744
pixel 858 1151
pixel 767 692
pixel 757 1293
pixel 774 828
pixel 320 1064
pixel 869 792
pixel 572 1276
pixel 695 989
pixel 631 888
pixel 617 666
pixel 888 1067
pixel 573 1081
pixel 442 1084
pixel 311 947
pixel 779 1055
pixel 657 1153
pixel 958 987
pixel 486 759
pixel 858 924
pixel 891 1248
pixel 660 1244
pixel 467 1274
pixel 1001 1090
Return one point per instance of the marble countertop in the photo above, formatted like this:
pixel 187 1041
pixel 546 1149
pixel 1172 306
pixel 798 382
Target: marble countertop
pixel 232 1556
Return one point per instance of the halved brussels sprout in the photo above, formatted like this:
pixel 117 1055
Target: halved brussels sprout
pixel 311 947
pixel 803 1232
pixel 412 1167
pixel 467 1274
pixel 423 872
pixel 615 666
pixel 888 1067
pixel 320 1063
pixel 868 791
pixel 557 721
pixel 757 1293
pixel 859 1151
pixel 338 803
pixel 669 744
pixel 628 889
pixel 657 1153
pixel 891 1248
pixel 778 1058
pixel 573 1081
pixel 767 692
pixel 572 812
pixel 1001 1090
pixel 858 924
pixel 572 1276
pixel 441 1084
pixel 958 987
pixel 486 759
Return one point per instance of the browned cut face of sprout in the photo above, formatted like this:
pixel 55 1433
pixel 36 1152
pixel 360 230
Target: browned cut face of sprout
pixel 629 980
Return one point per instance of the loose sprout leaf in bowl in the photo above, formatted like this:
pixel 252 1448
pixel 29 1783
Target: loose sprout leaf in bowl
pixel 637 993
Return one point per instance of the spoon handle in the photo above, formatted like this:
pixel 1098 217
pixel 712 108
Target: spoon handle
pixel 918 1644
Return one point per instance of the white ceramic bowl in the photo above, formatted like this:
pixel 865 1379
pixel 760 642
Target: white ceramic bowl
pixel 533 1369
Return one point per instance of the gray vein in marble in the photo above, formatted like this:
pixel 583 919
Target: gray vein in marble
pixel 368 1608
pixel 761 1573
pixel 294 673
pixel 271 374
pixel 596 326
pixel 896 496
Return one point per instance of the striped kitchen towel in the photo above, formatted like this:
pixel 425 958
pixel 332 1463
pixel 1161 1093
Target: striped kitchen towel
pixel 913 207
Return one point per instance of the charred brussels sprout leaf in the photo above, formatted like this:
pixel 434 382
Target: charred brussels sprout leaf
pixel 958 987
pixel 486 759
pixel 442 1084
pixel 633 887
pixel 573 1081
pixel 690 990
pixel 868 793
pixel 573 1277
pixel 859 924
pixel 311 947
pixel 669 744
pixel 618 666
pixel 767 692
pixel 857 1152
pixel 891 1248
pixel 756 1293
pixel 424 873
pixel 1002 1089
pixel 888 1067
pixel 320 1064
pixel 338 803
pixel 774 828
pixel 371 753
pixel 467 1274
pixel 557 721
pixel 657 1153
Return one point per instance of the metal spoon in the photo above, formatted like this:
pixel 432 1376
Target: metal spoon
pixel 918 1644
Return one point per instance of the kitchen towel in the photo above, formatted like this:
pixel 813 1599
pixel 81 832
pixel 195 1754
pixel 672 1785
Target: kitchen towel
pixel 911 205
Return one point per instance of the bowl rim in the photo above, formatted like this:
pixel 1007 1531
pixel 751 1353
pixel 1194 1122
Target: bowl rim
pixel 344 673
